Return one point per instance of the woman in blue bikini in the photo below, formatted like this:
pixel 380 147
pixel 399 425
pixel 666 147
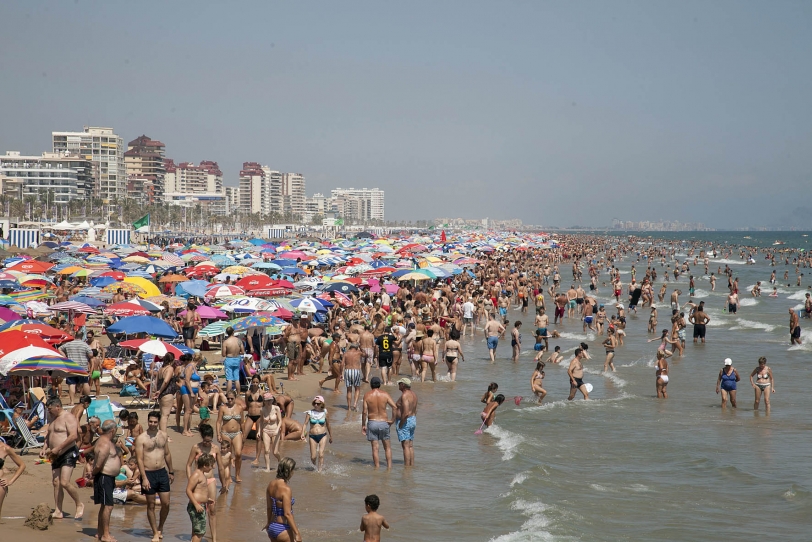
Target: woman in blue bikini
pixel 281 526
pixel 316 427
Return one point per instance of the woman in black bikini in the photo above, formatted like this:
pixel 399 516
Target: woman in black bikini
pixel 253 408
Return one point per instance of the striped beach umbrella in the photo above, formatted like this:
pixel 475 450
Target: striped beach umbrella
pixel 48 365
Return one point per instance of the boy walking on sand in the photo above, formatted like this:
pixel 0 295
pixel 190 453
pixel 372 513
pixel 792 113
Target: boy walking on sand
pixel 198 493
pixel 372 521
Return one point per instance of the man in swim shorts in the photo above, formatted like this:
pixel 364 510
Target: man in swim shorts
pixel 406 416
pixel 375 422
pixel 232 350
pixel 493 329
pixel 794 327
pixel 576 374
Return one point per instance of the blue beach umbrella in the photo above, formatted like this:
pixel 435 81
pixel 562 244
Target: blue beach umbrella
pixel 143 324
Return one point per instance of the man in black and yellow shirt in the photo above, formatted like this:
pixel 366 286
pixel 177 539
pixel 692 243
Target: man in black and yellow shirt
pixel 386 347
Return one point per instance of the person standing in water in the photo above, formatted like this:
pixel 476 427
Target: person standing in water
pixel 493 330
pixel 375 421
pixel 576 375
pixel 516 340
pixel 794 328
pixel 763 383
pixel 661 370
pixel 537 382
pixel 726 383
pixel 406 416
pixel 489 414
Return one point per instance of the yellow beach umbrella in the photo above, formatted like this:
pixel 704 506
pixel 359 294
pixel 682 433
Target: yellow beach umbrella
pixel 149 288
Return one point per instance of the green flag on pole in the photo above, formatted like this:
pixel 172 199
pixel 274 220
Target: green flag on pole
pixel 142 224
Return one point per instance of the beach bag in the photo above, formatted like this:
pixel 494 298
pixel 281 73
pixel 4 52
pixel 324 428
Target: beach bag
pixel 109 363
pixel 129 390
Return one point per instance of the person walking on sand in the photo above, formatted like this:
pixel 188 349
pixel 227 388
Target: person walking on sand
pixel 7 452
pixel 352 375
pixel 316 427
pixel 726 383
pixel 406 416
pixel 155 465
pixel 106 467
pixel 375 421
pixel 197 492
pixel 60 448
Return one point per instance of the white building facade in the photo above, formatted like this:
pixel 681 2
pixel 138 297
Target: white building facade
pixel 105 149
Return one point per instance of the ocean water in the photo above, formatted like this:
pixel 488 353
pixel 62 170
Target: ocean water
pixel 622 466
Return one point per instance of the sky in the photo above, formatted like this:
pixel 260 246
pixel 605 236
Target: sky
pixel 556 113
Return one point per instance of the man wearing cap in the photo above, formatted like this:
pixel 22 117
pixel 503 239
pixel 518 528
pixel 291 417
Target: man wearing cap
pixel 406 416
pixel 375 422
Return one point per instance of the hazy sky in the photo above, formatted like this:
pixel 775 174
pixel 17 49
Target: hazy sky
pixel 557 113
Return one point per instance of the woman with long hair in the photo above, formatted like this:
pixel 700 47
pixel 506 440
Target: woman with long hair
pixel 281 525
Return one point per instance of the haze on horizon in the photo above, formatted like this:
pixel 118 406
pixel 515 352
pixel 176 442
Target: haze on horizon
pixel 557 113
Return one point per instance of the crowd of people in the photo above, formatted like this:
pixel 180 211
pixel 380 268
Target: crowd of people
pixel 368 344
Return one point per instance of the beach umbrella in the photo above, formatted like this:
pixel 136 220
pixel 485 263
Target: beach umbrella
pixel 293 271
pixel 90 291
pixel 338 297
pixel 248 322
pixel 31 266
pixel 156 348
pixel 89 301
pixel 174 302
pixel 225 290
pixel 8 315
pixel 414 276
pixel 247 304
pixel 125 308
pixel 208 313
pixel 126 288
pixel 149 305
pixel 149 288
pixel 136 259
pixel 173 278
pixel 101 282
pixel 214 329
pixel 308 304
pixel 266 265
pixel 343 287
pixel 73 307
pixel 254 282
pixel 282 313
pixel 196 288
pixel 48 365
pixel 143 324
pixel 49 334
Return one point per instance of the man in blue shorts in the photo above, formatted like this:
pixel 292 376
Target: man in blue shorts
pixel 406 420
pixel 494 330
pixel 232 350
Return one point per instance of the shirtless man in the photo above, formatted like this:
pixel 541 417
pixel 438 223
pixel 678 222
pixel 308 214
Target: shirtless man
pixel 191 321
pixel 675 301
pixel 541 323
pixel 105 469
pixel 493 330
pixel 580 294
pixel 794 328
pixel 571 303
pixel 232 351
pixel 733 302
pixel 375 421
pixel 576 374
pixel 588 316
pixel 560 302
pixel 60 448
pixel 699 319
pixel 367 342
pixel 406 416
pixel 155 466
pixel 352 375
pixel 292 341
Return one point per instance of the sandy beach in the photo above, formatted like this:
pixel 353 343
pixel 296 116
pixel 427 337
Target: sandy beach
pixel 35 487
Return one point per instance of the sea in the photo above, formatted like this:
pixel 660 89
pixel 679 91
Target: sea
pixel 622 466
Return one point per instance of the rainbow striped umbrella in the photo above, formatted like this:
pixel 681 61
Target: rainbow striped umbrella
pixel 48 366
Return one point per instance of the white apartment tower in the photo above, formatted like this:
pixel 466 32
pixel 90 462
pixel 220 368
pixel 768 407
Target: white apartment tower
pixel 105 149
pixel 361 204
pixel 293 194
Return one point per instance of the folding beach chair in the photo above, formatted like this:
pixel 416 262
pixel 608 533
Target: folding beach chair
pixel 101 408
pixel 29 441
pixel 143 399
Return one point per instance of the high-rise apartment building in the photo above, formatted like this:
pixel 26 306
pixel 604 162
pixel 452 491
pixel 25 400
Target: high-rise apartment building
pixel 146 171
pixel 293 194
pixel 362 204
pixel 52 177
pixel 105 149
pixel 188 178
pixel 253 192
pixel 232 199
